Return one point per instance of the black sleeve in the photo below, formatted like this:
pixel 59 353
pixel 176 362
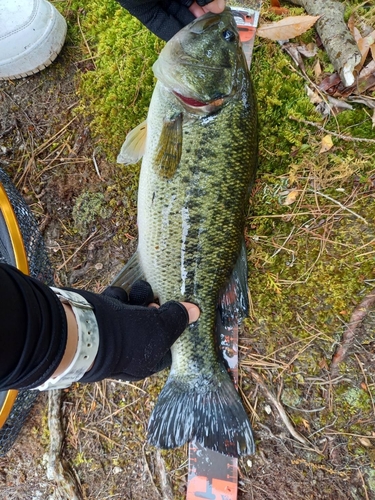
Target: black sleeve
pixel 164 18
pixel 33 330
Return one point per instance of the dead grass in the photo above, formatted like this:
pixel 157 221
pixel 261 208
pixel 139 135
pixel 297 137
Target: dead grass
pixel 310 264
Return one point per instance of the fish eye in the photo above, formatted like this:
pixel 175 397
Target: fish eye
pixel 228 35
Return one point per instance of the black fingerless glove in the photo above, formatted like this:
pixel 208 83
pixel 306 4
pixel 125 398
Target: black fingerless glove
pixel 135 340
pixel 202 3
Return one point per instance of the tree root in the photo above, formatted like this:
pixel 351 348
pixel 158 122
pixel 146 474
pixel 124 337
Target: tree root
pixel 67 486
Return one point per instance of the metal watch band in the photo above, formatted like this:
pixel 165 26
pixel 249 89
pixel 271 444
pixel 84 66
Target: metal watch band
pixel 88 341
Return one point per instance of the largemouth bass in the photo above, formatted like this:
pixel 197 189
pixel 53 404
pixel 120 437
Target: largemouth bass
pixel 199 161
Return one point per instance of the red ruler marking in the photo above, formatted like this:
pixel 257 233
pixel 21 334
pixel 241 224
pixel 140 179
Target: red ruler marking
pixel 213 475
pixel 247 22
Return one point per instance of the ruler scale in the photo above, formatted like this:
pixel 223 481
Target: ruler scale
pixel 212 475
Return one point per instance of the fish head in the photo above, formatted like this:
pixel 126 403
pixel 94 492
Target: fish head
pixel 201 63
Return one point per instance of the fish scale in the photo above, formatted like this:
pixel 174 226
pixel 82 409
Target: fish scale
pixel 198 165
pixel 205 187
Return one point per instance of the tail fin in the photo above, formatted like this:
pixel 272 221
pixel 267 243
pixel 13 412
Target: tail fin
pixel 208 411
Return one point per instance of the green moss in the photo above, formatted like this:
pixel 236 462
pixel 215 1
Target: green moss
pixel 117 90
pixel 87 208
pixel 306 269
pixel 371 479
pixel 291 397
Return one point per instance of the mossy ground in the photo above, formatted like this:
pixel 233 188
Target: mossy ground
pixel 310 263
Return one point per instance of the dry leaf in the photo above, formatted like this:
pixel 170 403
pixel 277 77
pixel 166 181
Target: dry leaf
pixel 330 81
pixel 292 50
pixel 317 69
pixel 326 144
pixel 364 47
pixel 313 96
pixel 323 364
pixel 277 9
pixel 365 442
pixel 367 101
pixel 306 424
pixel 291 198
pixel 364 386
pixel 287 28
pixel 338 104
pixel 356 34
pixel 309 50
pixel 371 37
pixel 366 78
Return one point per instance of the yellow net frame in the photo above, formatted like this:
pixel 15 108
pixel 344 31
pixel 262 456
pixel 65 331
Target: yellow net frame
pixel 22 264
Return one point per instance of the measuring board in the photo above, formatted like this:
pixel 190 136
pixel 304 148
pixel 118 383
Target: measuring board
pixel 212 475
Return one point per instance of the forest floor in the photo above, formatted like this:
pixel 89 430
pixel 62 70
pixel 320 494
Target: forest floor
pixel 310 239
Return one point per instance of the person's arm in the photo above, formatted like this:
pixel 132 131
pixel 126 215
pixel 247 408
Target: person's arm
pixel 166 17
pixel 85 337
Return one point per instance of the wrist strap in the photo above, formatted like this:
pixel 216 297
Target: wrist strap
pixel 88 341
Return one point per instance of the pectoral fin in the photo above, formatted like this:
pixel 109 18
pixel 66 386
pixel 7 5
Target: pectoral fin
pixel 169 148
pixel 134 146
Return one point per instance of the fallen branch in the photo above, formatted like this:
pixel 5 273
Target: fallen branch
pixel 356 319
pixel 67 487
pixel 165 484
pixel 339 43
pixel 335 134
pixel 272 399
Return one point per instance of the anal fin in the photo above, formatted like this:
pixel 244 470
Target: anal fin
pixel 129 274
pixel 234 299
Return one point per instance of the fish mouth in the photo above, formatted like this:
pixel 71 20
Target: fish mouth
pixel 194 103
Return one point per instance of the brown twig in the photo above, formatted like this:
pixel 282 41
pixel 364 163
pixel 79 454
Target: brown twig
pixel 147 466
pixel 100 434
pixel 85 42
pixel 272 399
pixel 335 134
pixel 364 484
pixel 77 250
pixel 165 484
pixel 356 319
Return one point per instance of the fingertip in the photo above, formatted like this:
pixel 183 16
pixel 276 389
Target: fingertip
pixel 192 310
pixel 216 6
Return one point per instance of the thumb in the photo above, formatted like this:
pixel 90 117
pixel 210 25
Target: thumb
pixel 170 320
pixel 175 317
pixel 193 311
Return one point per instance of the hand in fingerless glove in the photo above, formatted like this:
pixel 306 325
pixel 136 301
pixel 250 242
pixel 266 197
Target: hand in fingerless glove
pixel 135 340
